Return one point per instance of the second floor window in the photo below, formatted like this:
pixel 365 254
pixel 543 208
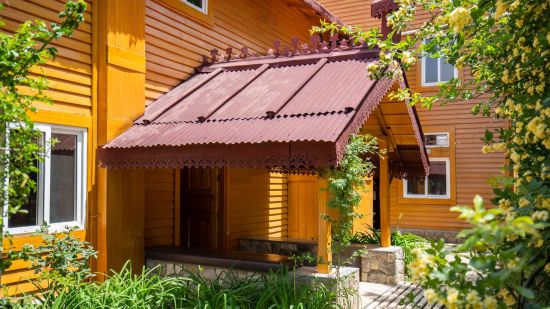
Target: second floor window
pixel 201 5
pixel 436 70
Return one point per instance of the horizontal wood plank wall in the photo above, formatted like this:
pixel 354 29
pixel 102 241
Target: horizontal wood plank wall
pixel 159 207
pixel 257 205
pixel 472 168
pixel 302 206
pixel 70 81
pixel 175 42
pixel 70 73
pixel 352 12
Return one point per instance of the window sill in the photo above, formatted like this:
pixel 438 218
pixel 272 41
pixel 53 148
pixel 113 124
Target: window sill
pixel 54 228
pixel 19 240
pixel 426 201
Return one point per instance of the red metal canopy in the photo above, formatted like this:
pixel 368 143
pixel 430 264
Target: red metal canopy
pixel 294 112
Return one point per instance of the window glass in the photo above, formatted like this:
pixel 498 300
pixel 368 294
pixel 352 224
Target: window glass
pixel 433 186
pixel 438 140
pixel 28 215
pixel 63 178
pixel 416 186
pixel 430 70
pixel 29 211
pixel 437 180
pixel 436 70
pixel 447 71
pixel 197 3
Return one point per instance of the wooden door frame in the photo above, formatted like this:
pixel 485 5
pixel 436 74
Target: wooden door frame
pixel 222 222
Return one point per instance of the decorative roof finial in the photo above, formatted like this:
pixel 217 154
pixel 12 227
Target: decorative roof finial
pixel 333 41
pixel 294 42
pixel 214 54
pixel 276 48
pixel 380 9
pixel 244 52
pixel 314 40
pixel 228 54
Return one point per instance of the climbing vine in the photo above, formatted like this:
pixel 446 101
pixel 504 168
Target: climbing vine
pixel 345 185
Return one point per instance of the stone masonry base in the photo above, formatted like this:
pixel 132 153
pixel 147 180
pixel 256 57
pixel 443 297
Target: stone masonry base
pixel 383 265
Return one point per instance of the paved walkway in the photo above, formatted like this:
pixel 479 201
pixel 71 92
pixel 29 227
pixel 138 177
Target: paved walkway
pixel 374 296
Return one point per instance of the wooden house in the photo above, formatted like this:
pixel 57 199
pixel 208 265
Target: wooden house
pixel 453 137
pixel 189 126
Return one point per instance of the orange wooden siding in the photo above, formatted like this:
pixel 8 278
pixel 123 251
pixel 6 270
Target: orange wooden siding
pixel 175 41
pixel 70 73
pixel 160 207
pixel 70 80
pixel 302 206
pixel 472 168
pixel 257 205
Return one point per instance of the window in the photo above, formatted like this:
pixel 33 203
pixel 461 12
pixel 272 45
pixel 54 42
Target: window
pixel 200 5
pixel 436 185
pixel 436 70
pixel 59 198
pixel 432 140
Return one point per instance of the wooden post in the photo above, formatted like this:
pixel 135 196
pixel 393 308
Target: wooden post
pixel 121 99
pixel 384 178
pixel 365 207
pixel 324 251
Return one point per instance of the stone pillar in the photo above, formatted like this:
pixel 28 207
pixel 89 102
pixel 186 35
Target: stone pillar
pixel 383 265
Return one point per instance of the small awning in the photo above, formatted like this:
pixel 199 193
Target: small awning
pixel 293 112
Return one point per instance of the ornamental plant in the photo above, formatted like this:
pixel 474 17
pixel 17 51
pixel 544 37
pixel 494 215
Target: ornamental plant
pixel 345 183
pixel 505 44
pixel 20 145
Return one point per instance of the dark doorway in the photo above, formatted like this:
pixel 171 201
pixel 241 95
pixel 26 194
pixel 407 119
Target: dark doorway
pixel 202 208
pixel 376 204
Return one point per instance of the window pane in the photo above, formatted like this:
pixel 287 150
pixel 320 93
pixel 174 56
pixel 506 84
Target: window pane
pixel 416 186
pixel 430 70
pixel 447 71
pixel 437 140
pixel 30 218
pixel 437 180
pixel 63 179
pixel 197 3
pixel 31 207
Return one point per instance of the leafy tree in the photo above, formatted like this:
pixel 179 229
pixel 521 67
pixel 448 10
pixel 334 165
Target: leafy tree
pixel 20 145
pixel 505 258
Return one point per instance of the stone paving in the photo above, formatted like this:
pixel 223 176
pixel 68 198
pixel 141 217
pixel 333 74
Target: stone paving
pixel 376 295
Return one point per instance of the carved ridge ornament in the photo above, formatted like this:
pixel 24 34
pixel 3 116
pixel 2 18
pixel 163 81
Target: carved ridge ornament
pixel 380 8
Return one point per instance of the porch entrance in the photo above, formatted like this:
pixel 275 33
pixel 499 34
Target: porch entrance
pixel 202 208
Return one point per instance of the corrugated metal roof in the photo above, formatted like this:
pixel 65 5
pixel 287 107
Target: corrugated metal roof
pixel 309 98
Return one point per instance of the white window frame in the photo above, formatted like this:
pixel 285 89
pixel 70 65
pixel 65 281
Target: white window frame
pixel 437 133
pixel 432 196
pixel 423 70
pixel 204 8
pixel 43 199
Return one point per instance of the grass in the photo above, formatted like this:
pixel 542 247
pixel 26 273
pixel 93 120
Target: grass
pixel 149 290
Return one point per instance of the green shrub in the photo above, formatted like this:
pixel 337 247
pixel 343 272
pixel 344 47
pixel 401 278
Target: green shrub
pixel 150 290
pixel 120 290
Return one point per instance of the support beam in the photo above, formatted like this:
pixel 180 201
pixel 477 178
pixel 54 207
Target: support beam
pixel 120 99
pixel 384 178
pixel 324 251
pixel 365 207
